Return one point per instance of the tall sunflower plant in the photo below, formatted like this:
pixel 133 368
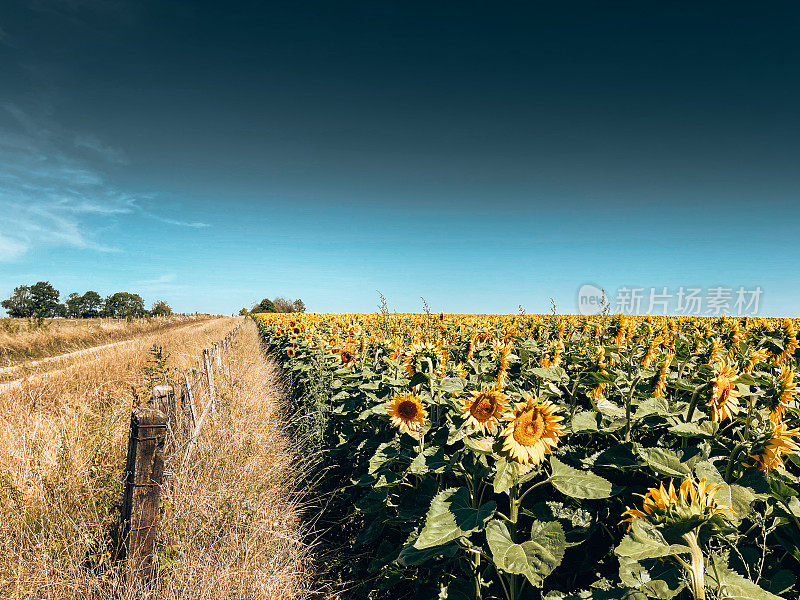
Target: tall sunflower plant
pixel 482 456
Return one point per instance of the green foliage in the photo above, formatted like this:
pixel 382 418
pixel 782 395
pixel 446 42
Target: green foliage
pixel 19 304
pixel 156 369
pixel 124 304
pixel 88 305
pixel 161 309
pixel 265 306
pixel 443 511
pixel 535 558
pixel 39 302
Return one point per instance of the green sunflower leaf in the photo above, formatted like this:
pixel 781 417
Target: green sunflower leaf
pixel 451 516
pixel 535 558
pixel 576 483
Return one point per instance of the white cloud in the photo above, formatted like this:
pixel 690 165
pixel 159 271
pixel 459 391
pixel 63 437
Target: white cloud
pixel 11 249
pixel 194 224
pixel 52 196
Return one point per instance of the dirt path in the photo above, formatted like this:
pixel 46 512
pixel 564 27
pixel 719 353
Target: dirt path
pixel 71 357
pixel 74 354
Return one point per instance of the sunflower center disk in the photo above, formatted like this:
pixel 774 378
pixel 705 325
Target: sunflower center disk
pixel 407 409
pixel 529 427
pixel 483 409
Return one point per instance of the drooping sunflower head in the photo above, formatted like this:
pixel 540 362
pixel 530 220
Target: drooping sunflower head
pixel 532 432
pixel 780 441
pixel 724 399
pixel 484 409
pixel 683 509
pixel 406 412
pixel 790 343
pixel 347 356
pixel 421 357
pixel 757 357
pixel 782 393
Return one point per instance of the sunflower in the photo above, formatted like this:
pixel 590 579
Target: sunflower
pixel 756 357
pixel 780 442
pixel 406 412
pixel 724 403
pixel 347 357
pixel 418 354
pixel 484 409
pixel 661 381
pixel 651 352
pixel 290 351
pixel 786 389
pixel 690 503
pixel 597 392
pixel 683 512
pixel 714 354
pixel 532 432
pixel 789 342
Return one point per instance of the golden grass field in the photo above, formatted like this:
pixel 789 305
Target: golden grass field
pixel 22 340
pixel 230 523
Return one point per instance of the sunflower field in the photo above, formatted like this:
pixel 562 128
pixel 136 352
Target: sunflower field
pixel 509 457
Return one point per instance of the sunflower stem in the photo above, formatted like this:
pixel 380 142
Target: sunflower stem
pixel 693 402
pixel 514 516
pixel 692 406
pixel 628 409
pixel 530 489
pixel 696 570
pixel 731 459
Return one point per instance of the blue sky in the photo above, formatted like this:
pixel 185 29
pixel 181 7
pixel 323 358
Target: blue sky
pixel 482 155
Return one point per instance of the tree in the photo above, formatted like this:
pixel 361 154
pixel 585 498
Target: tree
pixel 19 303
pixel 243 311
pixel 265 305
pixel 299 306
pixel 74 306
pixel 92 305
pixel 44 301
pixel 161 309
pixel 124 304
pixel 282 305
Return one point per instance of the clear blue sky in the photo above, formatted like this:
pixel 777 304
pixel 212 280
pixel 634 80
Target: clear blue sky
pixel 482 155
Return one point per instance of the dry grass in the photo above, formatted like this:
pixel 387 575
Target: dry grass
pixel 230 525
pixel 21 340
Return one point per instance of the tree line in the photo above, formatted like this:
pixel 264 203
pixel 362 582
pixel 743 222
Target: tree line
pixel 279 304
pixel 42 301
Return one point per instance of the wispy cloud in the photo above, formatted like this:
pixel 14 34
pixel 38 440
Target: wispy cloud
pixel 179 223
pixel 51 195
pixel 91 142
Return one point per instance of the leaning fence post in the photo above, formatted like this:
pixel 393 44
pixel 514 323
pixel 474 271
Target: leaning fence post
pixel 187 406
pixel 144 473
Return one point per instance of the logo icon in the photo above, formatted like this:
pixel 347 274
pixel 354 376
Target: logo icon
pixel 591 299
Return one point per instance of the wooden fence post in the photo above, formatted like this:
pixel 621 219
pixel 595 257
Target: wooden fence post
pixel 217 356
pixel 144 473
pixel 164 400
pixel 187 406
pixel 209 368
